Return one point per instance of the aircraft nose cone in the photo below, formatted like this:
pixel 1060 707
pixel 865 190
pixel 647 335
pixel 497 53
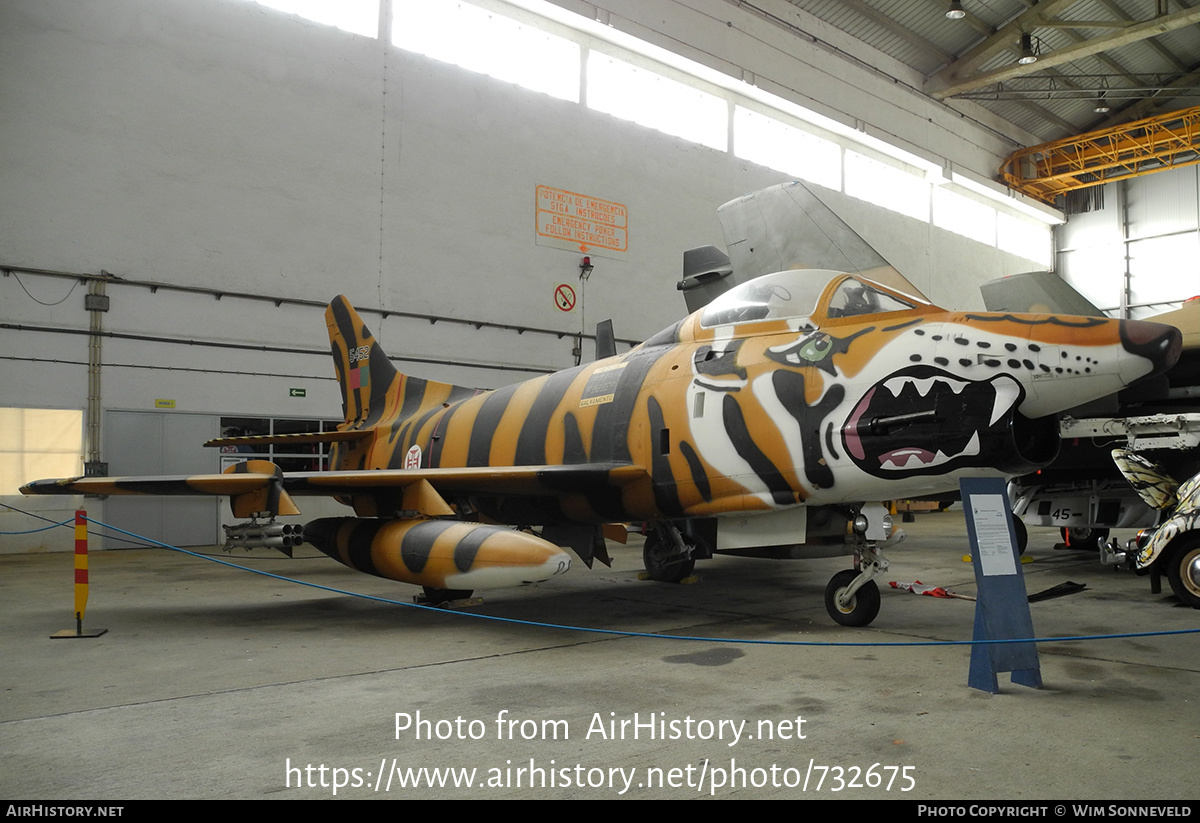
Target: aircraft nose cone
pixel 1157 342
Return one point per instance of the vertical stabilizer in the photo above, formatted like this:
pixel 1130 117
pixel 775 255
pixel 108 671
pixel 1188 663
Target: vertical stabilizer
pixel 788 227
pixel 364 372
pixel 373 390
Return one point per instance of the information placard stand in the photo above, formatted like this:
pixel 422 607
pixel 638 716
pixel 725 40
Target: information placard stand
pixel 1002 607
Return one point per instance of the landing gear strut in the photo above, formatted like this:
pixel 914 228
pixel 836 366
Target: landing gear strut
pixel 666 555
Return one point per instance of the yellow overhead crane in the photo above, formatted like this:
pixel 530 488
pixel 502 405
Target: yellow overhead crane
pixel 1142 147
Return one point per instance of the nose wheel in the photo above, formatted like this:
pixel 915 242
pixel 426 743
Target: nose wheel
pixel 852 596
pixel 857 608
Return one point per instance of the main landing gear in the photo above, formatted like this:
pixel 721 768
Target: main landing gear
pixel 852 597
pixel 667 555
pixel 441 597
pixel 1082 537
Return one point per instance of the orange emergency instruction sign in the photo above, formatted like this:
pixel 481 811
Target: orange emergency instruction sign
pixel 580 222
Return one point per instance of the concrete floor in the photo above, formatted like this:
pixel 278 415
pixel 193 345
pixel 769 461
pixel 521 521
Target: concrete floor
pixel 212 682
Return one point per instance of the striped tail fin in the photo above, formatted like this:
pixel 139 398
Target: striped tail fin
pixel 364 372
pixel 373 390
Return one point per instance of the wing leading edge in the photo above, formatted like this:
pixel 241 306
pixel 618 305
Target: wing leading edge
pixel 255 476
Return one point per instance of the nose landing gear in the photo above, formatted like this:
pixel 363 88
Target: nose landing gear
pixel 852 596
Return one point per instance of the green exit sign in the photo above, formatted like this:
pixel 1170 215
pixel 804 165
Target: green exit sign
pixel 297 392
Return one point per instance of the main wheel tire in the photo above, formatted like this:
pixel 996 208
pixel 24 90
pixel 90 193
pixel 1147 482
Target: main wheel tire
pixel 1183 571
pixel 440 596
pixel 655 557
pixel 1084 538
pixel 861 609
pixel 1022 535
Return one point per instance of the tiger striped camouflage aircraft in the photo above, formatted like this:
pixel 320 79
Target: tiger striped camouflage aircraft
pixel 769 423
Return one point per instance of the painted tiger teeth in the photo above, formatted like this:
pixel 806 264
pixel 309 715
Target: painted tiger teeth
pixel 972 446
pixel 1007 394
pixel 896 384
pixel 901 458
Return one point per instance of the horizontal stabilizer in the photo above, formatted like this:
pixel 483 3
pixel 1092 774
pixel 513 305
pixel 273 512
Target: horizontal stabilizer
pixel 290 439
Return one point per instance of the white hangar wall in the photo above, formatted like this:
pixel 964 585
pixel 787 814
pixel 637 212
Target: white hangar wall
pixel 222 147
pixel 1137 254
pixel 791 53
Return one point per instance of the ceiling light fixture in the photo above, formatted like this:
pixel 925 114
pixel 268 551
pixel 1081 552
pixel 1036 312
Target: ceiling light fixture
pixel 1101 105
pixel 1028 55
pixel 956 10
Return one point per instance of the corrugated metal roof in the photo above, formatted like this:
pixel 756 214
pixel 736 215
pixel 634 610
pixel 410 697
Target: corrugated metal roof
pixel 1140 76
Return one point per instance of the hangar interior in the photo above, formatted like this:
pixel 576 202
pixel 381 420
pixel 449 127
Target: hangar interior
pixel 217 171
pixel 185 184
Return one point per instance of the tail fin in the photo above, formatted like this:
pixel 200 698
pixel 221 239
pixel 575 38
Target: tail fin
pixel 363 369
pixel 368 379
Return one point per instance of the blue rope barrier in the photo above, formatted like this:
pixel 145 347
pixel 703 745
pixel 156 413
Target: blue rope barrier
pixel 623 633
pixel 614 632
pixel 43 528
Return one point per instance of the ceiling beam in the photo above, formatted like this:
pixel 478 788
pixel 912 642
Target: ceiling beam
pixel 1132 34
pixel 1085 24
pixel 1117 68
pixel 1001 40
pixel 1144 107
pixel 881 19
pixel 1166 53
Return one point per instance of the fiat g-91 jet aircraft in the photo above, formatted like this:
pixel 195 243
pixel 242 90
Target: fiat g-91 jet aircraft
pixel 767 423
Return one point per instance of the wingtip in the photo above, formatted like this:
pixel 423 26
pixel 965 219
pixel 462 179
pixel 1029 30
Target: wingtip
pixel 49 486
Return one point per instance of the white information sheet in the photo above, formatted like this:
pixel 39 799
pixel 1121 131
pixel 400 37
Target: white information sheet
pixel 991 533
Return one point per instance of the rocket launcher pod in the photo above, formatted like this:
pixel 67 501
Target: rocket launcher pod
pixel 254 535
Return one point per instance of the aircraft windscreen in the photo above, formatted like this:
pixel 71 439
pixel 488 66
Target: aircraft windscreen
pixel 778 296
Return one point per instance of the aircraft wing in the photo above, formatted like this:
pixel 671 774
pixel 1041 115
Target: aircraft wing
pixel 540 481
pixel 259 486
pixel 194 484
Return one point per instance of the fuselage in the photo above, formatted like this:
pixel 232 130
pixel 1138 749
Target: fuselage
pixel 803 387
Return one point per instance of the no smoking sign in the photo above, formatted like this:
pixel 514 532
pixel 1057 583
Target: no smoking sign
pixel 564 297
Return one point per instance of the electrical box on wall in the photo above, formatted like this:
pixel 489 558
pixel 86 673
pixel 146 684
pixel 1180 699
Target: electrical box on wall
pixel 95 302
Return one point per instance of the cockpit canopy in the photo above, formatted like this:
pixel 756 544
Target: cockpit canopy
pixel 796 294
pixel 801 297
